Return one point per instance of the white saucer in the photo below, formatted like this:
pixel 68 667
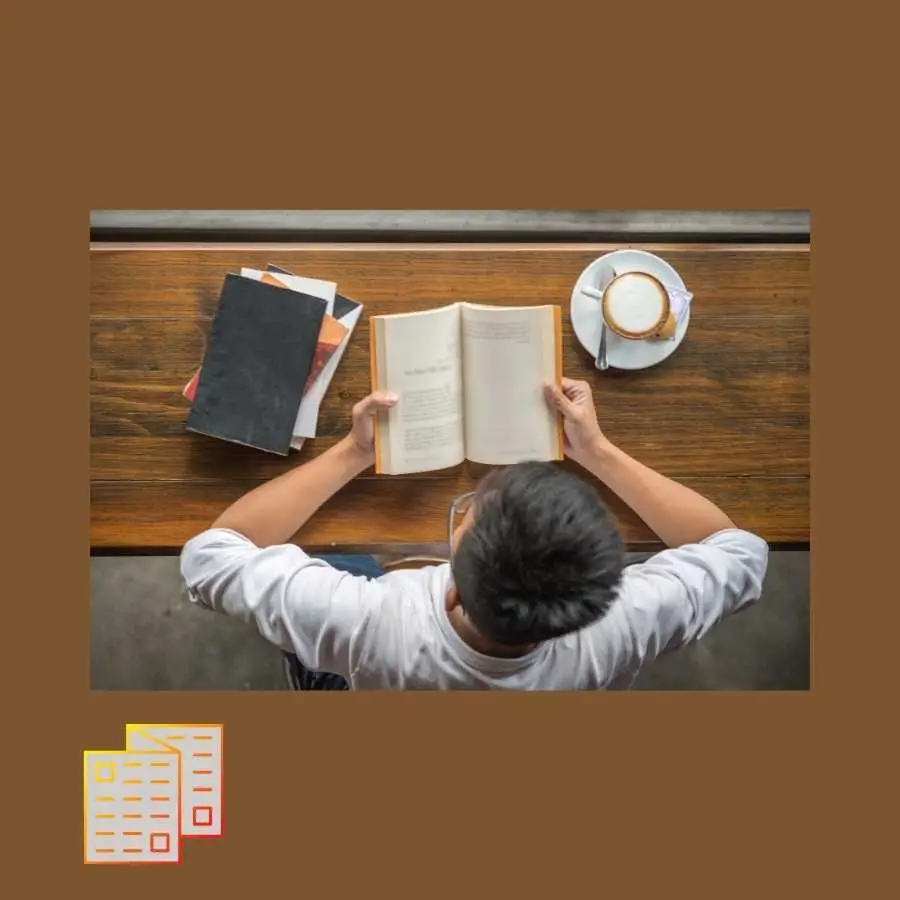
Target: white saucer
pixel 585 312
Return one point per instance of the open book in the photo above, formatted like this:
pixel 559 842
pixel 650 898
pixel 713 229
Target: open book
pixel 470 382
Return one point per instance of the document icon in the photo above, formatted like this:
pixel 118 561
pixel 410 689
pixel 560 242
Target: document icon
pixel 200 747
pixel 139 802
pixel 131 806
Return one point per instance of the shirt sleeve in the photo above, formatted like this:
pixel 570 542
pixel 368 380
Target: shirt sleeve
pixel 300 604
pixel 678 595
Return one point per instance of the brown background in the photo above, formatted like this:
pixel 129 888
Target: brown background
pixel 574 795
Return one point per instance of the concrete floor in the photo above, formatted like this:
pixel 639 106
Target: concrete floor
pixel 145 635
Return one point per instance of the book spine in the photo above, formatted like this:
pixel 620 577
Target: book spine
pixel 557 336
pixel 373 378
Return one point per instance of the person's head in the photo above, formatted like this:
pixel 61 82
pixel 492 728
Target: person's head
pixel 538 555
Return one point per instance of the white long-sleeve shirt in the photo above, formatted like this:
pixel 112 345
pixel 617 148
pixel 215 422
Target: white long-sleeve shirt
pixel 393 632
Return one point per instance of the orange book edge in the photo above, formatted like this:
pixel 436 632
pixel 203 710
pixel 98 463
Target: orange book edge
pixel 560 429
pixel 373 378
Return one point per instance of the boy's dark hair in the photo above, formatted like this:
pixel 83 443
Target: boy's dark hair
pixel 542 558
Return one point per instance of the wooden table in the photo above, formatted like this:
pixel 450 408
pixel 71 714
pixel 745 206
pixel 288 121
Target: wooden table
pixel 727 414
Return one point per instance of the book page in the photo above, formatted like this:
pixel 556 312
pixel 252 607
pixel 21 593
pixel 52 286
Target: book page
pixel 508 353
pixel 308 415
pixel 417 357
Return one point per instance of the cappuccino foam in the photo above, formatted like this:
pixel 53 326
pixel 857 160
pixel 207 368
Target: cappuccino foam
pixel 635 303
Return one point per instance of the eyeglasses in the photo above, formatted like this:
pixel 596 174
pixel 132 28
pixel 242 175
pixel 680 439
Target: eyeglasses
pixel 458 509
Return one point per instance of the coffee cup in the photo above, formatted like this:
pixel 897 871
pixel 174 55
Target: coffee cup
pixel 636 307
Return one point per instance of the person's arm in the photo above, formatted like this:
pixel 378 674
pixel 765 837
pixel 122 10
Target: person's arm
pixel 675 598
pixel 676 513
pixel 298 603
pixel 243 567
pixel 272 513
pixel 712 569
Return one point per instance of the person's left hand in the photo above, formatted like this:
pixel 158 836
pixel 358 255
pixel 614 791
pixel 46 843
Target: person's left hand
pixel 362 433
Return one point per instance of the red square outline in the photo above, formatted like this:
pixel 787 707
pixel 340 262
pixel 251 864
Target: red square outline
pixel 208 810
pixel 159 834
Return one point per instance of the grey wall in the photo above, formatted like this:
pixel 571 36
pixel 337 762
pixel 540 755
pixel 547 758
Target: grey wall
pixel 145 635
pixel 559 225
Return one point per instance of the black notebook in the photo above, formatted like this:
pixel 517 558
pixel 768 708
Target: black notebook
pixel 257 359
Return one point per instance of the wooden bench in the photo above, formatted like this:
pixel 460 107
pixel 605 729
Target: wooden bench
pixel 728 414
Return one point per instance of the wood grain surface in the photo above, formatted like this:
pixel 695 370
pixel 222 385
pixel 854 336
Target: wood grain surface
pixel 727 414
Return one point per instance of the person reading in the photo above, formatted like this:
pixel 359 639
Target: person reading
pixel 536 595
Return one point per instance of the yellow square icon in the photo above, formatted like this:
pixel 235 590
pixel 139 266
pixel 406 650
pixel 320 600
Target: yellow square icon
pixel 104 772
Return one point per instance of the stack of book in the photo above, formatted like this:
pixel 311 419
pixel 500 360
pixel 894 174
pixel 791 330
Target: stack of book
pixel 274 346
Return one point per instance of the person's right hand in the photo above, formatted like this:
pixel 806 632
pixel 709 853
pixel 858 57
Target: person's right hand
pixel 576 403
pixel 362 432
